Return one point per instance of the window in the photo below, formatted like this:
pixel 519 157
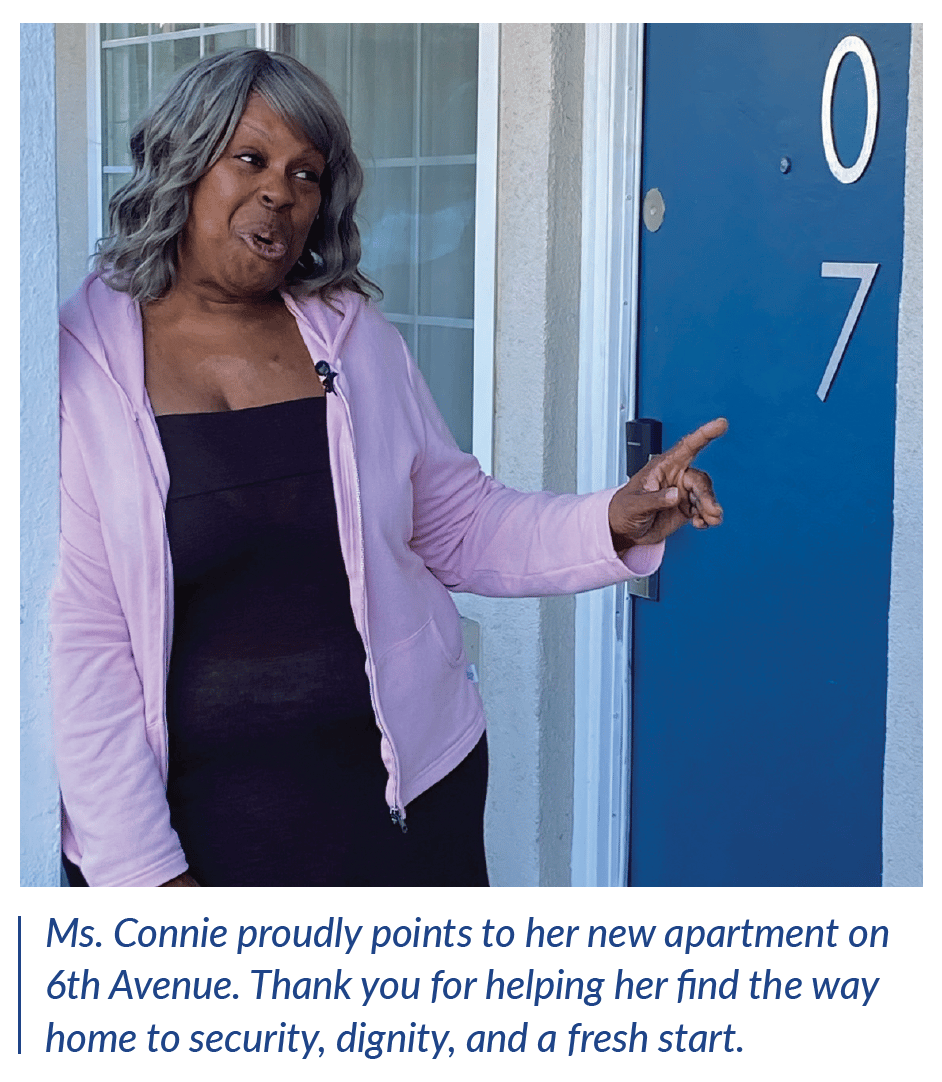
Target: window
pixel 138 63
pixel 411 95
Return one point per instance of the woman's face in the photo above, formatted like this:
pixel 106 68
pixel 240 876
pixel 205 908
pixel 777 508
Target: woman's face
pixel 251 213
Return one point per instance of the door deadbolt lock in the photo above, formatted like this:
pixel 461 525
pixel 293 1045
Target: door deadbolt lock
pixel 642 443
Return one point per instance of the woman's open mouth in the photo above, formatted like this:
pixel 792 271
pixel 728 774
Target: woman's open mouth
pixel 266 245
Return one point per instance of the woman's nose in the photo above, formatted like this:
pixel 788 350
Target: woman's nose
pixel 276 190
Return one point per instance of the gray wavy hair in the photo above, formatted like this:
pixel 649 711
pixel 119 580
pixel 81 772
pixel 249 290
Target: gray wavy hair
pixel 184 135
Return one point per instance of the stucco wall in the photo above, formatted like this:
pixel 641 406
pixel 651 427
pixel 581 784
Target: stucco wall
pixel 72 149
pixel 527 646
pixel 902 773
pixel 39 436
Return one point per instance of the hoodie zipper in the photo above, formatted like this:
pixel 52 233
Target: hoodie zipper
pixel 166 602
pixel 397 813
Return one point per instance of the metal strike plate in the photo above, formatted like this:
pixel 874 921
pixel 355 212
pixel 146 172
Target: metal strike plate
pixel 642 442
pixel 471 640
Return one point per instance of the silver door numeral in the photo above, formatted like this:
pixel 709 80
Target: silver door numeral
pixel 866 272
pixel 848 174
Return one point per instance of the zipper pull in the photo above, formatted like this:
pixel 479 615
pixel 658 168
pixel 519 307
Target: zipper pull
pixel 327 377
pixel 397 817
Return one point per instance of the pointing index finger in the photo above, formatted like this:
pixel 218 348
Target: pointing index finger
pixel 687 449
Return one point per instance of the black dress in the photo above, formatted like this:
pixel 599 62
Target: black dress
pixel 275 772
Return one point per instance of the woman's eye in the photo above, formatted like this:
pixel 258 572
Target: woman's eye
pixel 310 175
pixel 252 159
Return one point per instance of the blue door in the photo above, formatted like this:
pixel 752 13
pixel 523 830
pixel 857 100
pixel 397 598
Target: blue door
pixel 769 295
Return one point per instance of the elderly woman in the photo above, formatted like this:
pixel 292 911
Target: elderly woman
pixel 256 658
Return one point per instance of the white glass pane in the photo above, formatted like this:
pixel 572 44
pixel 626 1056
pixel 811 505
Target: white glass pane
pixel 123 99
pixel 171 57
pixel 449 88
pixel 446 359
pixel 387 225
pixel 324 48
pixel 113 31
pixel 446 241
pixel 233 39
pixel 382 106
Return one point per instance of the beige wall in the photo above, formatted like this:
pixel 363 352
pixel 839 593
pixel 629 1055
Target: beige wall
pixel 527 646
pixel 71 155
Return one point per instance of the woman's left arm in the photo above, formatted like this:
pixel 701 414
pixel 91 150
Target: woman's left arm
pixel 479 536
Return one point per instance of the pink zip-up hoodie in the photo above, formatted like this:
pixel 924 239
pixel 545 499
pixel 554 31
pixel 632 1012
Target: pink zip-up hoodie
pixel 417 518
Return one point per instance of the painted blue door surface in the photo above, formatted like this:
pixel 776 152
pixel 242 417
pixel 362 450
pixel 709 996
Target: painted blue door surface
pixel 759 677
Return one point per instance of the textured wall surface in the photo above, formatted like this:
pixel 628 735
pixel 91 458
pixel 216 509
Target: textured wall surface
pixel 72 154
pixel 39 435
pixel 902 775
pixel 527 645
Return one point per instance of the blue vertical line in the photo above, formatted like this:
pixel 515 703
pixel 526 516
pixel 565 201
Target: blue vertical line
pixel 19 986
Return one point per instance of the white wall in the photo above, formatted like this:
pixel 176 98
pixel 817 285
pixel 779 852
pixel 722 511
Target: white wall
pixel 39 443
pixel 902 774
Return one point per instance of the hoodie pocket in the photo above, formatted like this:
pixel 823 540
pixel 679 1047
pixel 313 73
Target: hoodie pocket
pixel 426 696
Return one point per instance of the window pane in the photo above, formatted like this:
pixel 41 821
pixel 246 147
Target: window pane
pixel 387 223
pixel 324 48
pixel 382 106
pixel 218 43
pixel 449 88
pixel 169 58
pixel 446 359
pixel 169 28
pixel 446 241
pixel 111 31
pixel 123 99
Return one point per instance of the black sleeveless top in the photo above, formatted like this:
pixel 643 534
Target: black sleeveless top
pixel 275 772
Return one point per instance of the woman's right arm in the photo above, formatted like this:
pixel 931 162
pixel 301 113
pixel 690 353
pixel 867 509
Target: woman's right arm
pixel 113 794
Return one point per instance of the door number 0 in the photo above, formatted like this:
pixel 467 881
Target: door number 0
pixel 847 174
pixel 866 272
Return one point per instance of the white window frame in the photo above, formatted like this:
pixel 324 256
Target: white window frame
pixel 611 221
pixel 485 246
pixel 485 229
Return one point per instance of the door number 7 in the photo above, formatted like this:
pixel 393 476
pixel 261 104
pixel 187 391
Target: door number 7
pixel 866 272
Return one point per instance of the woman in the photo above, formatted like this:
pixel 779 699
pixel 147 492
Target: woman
pixel 254 472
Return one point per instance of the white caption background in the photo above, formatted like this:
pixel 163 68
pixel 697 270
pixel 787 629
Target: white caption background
pixel 777 1037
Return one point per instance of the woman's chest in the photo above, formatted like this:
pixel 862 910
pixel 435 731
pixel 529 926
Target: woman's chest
pixel 213 366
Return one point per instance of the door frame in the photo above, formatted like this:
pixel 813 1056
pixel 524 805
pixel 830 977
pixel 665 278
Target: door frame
pixel 611 222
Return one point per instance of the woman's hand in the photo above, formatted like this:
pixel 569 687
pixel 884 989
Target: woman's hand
pixel 184 880
pixel 666 493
